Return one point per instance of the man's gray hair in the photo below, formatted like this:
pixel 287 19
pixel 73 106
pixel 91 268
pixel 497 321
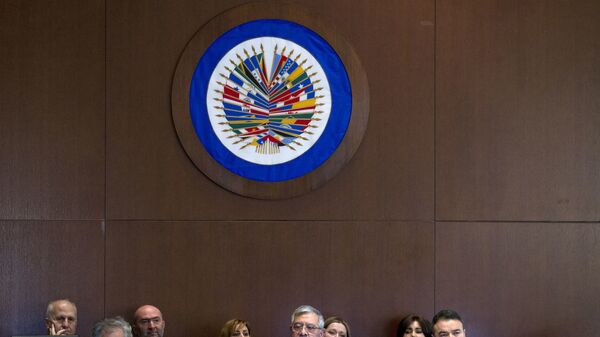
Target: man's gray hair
pixel 306 309
pixel 50 308
pixel 108 325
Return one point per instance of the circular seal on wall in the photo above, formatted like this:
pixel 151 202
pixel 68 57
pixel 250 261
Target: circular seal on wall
pixel 270 100
pixel 264 108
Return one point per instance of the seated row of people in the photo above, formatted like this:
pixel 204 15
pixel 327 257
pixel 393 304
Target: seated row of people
pixel 61 320
pixel 307 321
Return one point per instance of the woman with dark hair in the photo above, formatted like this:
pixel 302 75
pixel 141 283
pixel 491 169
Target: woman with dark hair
pixel 235 328
pixel 414 326
pixel 336 327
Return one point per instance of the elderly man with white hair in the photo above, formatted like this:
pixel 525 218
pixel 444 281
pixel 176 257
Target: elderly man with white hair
pixel 307 321
pixel 112 327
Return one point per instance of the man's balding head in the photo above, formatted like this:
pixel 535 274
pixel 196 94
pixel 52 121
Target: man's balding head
pixel 148 322
pixel 61 317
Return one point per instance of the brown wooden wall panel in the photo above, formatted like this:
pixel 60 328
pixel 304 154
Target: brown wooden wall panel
pixel 204 273
pixel 149 175
pixel 52 109
pixel 45 260
pixel 517 110
pixel 516 138
pixel 520 279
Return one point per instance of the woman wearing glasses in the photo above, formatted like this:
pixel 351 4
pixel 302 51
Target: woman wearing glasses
pixel 414 326
pixel 336 327
pixel 235 328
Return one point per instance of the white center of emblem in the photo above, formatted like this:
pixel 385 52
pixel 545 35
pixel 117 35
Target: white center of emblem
pixel 268 100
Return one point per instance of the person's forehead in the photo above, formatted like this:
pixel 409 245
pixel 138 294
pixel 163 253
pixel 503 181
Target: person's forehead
pixel 310 317
pixel 415 324
pixel 240 326
pixel 64 307
pixel 450 324
pixel 149 312
pixel 337 326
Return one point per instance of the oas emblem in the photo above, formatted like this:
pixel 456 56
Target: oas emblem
pixel 270 101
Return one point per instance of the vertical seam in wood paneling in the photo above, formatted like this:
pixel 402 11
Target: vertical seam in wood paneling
pixel 435 28
pixel 105 150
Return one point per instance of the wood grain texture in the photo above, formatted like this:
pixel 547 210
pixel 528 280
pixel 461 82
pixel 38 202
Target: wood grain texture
pixel 203 273
pixel 518 279
pixel 516 137
pixel 150 176
pixel 517 110
pixel 52 109
pixel 46 260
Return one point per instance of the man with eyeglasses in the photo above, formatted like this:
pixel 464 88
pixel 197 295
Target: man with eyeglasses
pixel 148 322
pixel 61 318
pixel 307 321
pixel 447 323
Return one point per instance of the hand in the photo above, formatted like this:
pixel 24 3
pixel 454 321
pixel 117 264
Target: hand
pixel 53 331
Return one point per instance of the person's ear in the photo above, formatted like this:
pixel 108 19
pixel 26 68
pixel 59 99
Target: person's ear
pixel 48 323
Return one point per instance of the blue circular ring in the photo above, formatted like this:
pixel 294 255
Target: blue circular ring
pixel 341 100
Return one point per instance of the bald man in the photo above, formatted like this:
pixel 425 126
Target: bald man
pixel 148 322
pixel 61 318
